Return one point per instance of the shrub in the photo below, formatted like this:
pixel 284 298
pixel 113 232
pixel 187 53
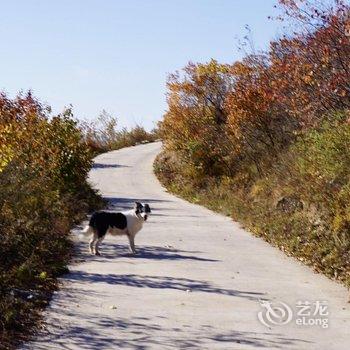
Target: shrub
pixel 44 164
pixel 301 205
pixel 103 135
pixel 269 134
pixel 223 118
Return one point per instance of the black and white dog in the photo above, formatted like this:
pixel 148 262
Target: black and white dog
pixel 127 223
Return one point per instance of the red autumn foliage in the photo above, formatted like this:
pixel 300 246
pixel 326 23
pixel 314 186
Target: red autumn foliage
pixel 221 115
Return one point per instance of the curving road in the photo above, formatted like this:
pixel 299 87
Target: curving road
pixel 196 283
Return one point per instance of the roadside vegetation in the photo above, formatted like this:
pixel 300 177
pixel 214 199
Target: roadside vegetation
pixel 266 140
pixel 44 162
pixel 103 134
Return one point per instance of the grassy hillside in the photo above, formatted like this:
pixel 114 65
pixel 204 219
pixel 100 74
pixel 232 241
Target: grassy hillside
pixel 266 139
pixel 300 206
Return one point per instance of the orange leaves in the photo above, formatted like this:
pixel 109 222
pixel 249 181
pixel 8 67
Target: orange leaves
pixel 51 147
pixel 307 78
pixel 256 107
pixel 194 122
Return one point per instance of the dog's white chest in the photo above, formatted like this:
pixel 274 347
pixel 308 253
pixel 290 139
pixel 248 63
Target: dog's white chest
pixel 134 224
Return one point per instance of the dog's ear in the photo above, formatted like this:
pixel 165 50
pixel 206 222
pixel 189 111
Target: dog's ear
pixel 138 206
pixel 147 208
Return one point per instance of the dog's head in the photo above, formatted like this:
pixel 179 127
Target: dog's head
pixel 142 210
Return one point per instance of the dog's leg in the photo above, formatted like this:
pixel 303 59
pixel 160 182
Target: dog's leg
pixel 97 244
pixel 92 242
pixel 132 243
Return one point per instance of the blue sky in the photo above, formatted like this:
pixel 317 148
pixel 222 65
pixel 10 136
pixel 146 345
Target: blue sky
pixel 116 54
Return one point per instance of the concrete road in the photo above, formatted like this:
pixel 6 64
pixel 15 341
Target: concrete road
pixel 197 282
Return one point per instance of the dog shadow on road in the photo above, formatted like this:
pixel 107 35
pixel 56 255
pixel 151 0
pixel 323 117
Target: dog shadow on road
pixel 115 251
pixel 160 253
pixel 111 251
